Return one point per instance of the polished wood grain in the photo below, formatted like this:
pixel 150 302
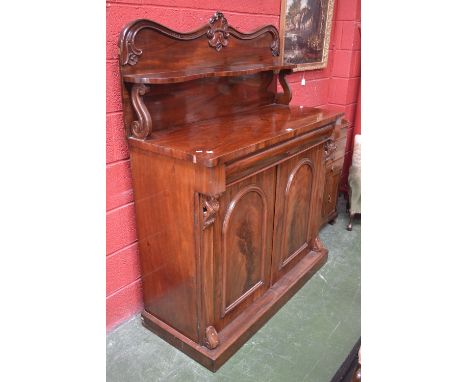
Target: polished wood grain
pixel 181 104
pixel 228 181
pixel 218 140
pixel 167 253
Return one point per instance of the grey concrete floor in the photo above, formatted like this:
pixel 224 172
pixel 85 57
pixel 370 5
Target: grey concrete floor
pixel 307 339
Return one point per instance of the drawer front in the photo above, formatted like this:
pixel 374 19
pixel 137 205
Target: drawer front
pixel 255 163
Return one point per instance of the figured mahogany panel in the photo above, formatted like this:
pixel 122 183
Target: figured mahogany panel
pixel 300 182
pixel 244 236
pixel 164 215
pixel 243 252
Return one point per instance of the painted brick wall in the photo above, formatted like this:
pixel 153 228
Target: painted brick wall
pixel 345 79
pixel 336 86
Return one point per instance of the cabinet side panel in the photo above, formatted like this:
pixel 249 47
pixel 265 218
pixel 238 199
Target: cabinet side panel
pixel 163 189
pixel 330 194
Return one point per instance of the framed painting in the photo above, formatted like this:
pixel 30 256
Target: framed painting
pixel 305 32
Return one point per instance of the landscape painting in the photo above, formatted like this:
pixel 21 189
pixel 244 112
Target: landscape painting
pixel 305 32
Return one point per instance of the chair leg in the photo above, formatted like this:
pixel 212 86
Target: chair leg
pixel 348 201
pixel 350 224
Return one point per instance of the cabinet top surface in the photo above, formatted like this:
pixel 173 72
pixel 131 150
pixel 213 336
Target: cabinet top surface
pixel 227 138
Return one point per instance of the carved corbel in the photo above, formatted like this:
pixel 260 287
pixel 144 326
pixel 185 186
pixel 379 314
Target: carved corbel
pixel 210 205
pixel 211 339
pixel 329 149
pixel 285 97
pixel 141 128
pixel 218 31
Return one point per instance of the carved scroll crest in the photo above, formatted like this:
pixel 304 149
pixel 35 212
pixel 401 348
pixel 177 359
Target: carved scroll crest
pixel 218 31
pixel 251 36
pixel 210 205
pixel 143 126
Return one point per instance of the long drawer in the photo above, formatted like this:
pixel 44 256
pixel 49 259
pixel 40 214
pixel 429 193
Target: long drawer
pixel 262 160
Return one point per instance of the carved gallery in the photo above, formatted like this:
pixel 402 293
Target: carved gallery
pixel 233 200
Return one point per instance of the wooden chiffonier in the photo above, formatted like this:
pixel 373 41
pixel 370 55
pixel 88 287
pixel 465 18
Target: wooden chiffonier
pixel 228 181
pixel 335 149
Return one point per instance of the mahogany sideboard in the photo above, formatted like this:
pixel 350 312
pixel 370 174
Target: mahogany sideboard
pixel 228 181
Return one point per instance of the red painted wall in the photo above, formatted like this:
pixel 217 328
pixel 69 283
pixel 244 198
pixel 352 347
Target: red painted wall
pixel 336 87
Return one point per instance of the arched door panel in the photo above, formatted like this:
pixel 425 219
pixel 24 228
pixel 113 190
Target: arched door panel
pixel 296 219
pixel 243 251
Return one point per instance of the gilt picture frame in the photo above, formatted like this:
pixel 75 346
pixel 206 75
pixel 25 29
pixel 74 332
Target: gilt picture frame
pixel 305 28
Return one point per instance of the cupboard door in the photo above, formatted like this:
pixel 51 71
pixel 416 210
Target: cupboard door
pixel 296 220
pixel 243 244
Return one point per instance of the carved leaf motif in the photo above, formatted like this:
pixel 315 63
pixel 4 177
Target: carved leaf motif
pixel 132 59
pixel 330 148
pixel 275 45
pixel 210 205
pixel 218 31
